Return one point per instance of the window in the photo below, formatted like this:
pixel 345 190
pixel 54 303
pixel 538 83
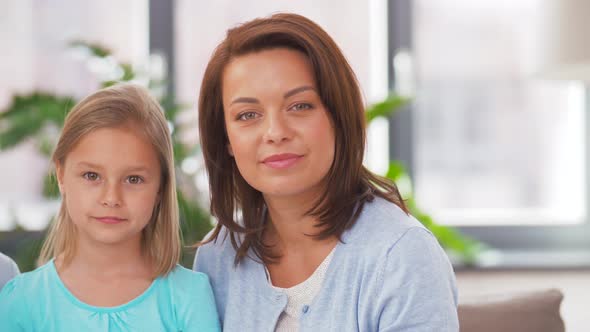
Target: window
pixel 497 150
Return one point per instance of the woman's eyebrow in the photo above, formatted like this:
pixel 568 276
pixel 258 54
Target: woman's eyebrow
pixel 247 100
pixel 250 100
pixel 297 90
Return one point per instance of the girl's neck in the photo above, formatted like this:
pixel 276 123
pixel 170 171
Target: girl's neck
pixel 108 260
pixel 106 274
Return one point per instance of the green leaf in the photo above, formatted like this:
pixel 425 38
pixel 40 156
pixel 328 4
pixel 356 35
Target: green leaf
pixel 50 186
pixel 194 225
pixel 396 170
pixel 128 72
pixel 27 115
pixel 386 108
pixel 96 50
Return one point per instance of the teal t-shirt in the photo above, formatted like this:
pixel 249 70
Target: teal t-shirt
pixel 39 301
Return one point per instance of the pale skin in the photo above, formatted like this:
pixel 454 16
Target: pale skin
pixel 272 107
pixel 110 181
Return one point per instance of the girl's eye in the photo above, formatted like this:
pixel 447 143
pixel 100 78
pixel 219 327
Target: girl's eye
pixel 90 176
pixel 301 107
pixel 134 179
pixel 247 116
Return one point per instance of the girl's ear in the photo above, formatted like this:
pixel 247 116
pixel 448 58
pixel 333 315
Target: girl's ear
pixel 229 150
pixel 59 172
pixel 158 202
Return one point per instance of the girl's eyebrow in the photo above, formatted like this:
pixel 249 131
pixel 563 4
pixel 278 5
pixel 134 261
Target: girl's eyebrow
pixel 138 169
pixel 87 164
pixel 129 169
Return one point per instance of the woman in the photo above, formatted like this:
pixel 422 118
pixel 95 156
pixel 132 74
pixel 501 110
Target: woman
pixel 307 238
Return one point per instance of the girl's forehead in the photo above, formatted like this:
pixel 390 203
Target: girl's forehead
pixel 114 147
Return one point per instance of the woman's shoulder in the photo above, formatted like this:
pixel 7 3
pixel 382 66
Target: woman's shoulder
pixel 381 222
pixel 385 236
pixel 218 252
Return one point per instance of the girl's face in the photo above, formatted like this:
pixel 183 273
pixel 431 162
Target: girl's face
pixel 110 182
pixel 280 133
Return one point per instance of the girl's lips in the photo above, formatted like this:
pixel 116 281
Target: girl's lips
pixel 110 220
pixel 282 161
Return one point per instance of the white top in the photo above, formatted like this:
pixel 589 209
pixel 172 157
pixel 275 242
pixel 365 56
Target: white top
pixel 300 296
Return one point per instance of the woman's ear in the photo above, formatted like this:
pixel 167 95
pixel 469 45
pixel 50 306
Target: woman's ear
pixel 229 150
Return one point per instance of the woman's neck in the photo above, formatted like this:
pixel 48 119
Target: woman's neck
pixel 289 232
pixel 290 228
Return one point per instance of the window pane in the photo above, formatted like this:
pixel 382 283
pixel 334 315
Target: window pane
pixel 494 144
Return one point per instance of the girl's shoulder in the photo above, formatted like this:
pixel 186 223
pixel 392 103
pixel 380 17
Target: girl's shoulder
pixel 15 295
pixel 192 297
pixel 184 281
pixel 32 281
pixel 181 275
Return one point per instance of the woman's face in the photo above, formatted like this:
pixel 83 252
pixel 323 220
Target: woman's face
pixel 280 133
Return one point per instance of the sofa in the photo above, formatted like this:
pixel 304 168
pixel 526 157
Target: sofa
pixel 527 312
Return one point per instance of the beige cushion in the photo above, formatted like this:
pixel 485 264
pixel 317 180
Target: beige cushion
pixel 530 312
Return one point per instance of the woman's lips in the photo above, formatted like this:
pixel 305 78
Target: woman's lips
pixel 110 220
pixel 282 161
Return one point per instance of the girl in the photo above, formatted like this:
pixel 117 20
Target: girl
pixel 322 244
pixel 110 258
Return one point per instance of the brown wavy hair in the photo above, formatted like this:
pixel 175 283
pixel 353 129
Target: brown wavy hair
pixel 348 183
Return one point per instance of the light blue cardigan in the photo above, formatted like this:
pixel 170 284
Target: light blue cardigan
pixel 388 274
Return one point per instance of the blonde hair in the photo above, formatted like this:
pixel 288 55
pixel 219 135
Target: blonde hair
pixel 122 104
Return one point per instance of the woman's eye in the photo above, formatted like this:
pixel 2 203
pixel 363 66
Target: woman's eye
pixel 90 176
pixel 134 179
pixel 301 107
pixel 247 116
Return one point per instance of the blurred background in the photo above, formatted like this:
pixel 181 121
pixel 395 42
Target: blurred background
pixel 477 109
